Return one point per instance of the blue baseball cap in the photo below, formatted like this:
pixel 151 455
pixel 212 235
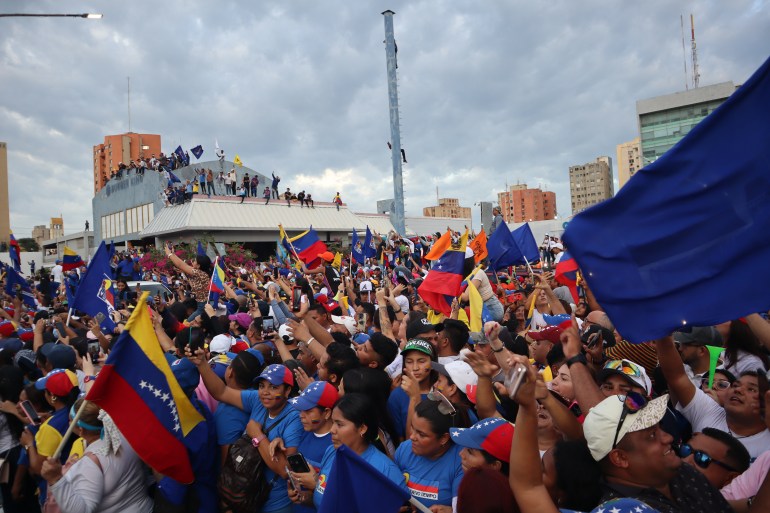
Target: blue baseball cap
pixel 317 394
pixel 277 374
pixel 186 374
pixel 361 338
pixel 494 435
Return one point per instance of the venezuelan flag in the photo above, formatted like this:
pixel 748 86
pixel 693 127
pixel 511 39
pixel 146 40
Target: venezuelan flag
pixel 444 280
pixel 306 246
pixel 217 284
pixel 566 274
pixel 71 260
pixel 139 391
pixel 15 253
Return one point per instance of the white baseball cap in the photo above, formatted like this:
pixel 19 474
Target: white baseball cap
pixel 221 343
pixel 602 420
pixel 346 320
pixel 459 372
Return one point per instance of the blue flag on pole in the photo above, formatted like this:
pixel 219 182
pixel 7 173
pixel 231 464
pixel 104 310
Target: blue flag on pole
pixel 502 249
pixel 172 178
pixel 96 292
pixel 14 284
pixel 370 250
pixel 357 249
pixel 354 486
pixel 180 153
pixel 524 239
pixel 201 250
pixel 197 151
pixel 692 225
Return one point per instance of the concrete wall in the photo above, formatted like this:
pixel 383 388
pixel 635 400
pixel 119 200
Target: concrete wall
pixel 26 258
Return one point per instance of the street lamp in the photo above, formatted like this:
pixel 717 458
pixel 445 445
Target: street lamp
pixel 90 16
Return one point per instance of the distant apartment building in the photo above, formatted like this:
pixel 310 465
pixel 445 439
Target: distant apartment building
pixel 447 207
pixel 520 204
pixel 40 233
pixel 590 183
pixel 121 148
pixel 665 120
pixel 56 227
pixel 629 160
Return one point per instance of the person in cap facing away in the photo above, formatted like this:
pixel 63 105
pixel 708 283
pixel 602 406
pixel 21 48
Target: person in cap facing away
pixel 416 381
pixel 332 275
pixel 61 392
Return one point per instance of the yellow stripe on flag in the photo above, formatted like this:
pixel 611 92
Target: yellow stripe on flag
pixel 476 305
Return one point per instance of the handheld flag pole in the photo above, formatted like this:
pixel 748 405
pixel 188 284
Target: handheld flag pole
pixel 69 316
pixel 529 266
pixel 419 505
pixel 213 270
pixel 71 427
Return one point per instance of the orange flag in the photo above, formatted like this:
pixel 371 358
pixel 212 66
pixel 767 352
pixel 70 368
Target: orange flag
pixel 479 247
pixel 441 245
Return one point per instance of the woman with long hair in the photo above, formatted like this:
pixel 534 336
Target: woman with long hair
pixel 198 274
pixel 743 351
pixel 376 385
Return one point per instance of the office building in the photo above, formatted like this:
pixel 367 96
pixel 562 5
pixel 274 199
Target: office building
pixel 121 148
pixel 447 207
pixel 5 209
pixel 664 120
pixel 629 158
pixel 590 183
pixel 521 204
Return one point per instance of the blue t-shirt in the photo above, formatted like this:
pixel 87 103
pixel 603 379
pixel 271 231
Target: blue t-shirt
pixel 289 429
pixel 313 448
pixel 126 269
pixel 431 481
pixel 371 455
pixel 398 406
pixel 231 423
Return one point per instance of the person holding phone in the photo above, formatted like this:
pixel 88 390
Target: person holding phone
pixel 199 275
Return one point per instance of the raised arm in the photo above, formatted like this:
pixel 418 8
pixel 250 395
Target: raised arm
pixel 761 329
pixel 587 392
pixel 213 383
pixel 178 262
pixel 680 387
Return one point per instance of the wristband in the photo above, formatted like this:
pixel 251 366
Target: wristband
pixel 255 441
pixel 88 379
pixel 312 339
pixel 498 350
pixel 578 358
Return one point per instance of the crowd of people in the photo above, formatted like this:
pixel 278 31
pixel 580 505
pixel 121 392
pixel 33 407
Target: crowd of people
pixel 546 408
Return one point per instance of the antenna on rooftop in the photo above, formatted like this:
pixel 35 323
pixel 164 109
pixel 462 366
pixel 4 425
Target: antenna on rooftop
pixel 684 55
pixel 695 71
pixel 128 90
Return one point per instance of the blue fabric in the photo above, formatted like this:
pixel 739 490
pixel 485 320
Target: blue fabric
pixel 526 243
pixel 313 448
pixel 686 227
pixel 289 429
pixel 431 482
pixel 501 248
pixel 365 485
pixel 231 423
pixel 126 269
pixel 398 407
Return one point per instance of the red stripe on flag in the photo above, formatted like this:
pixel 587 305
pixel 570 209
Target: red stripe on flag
pixel 147 436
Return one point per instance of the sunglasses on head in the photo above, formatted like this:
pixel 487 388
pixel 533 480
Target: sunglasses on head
pixel 700 458
pixel 632 403
pixel 626 367
pixel 445 406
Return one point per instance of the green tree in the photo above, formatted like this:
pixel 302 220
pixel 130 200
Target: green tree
pixel 29 244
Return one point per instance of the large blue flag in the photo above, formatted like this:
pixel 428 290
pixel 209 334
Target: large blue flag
pixel 370 249
pixel 14 284
pixel 96 292
pixel 502 249
pixel 524 239
pixel 357 249
pixel 688 228
pixel 354 486
pixel 197 151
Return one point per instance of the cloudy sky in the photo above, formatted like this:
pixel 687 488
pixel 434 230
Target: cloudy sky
pixel 491 92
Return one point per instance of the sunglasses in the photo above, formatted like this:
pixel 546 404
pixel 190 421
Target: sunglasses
pixel 624 366
pixel 719 384
pixel 445 406
pixel 700 458
pixel 632 403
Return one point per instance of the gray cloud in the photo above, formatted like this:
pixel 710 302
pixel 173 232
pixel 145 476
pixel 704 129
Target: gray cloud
pixel 491 92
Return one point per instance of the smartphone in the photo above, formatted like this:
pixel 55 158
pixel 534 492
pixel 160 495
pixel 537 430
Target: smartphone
pixel 298 463
pixel 59 326
pixel 361 318
pixel 763 386
pixel 99 318
pixel 93 350
pixel 514 377
pixel 29 412
pixel 268 324
pixel 296 298
pixel 165 297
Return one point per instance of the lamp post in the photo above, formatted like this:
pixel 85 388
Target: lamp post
pixel 90 16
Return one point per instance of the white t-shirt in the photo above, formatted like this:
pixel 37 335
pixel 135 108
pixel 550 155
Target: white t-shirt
pixel 703 412
pixel 746 362
pixel 57 272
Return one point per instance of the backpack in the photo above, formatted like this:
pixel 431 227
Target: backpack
pixel 242 485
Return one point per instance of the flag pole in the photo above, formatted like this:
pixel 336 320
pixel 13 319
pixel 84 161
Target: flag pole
pixel 419 505
pixel 286 236
pixel 69 315
pixel 67 434
pixel 208 298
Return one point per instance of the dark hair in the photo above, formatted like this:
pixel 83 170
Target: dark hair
pixel 319 309
pixel 204 262
pixel 391 317
pixel 741 338
pixel 555 355
pixel 737 455
pixel 342 358
pixel 441 422
pixel 577 475
pixel 37 398
pixel 369 309
pixel 385 348
pixel 361 411
pixel 505 467
pixel 483 490
pixel 457 334
pixel 246 369
pixel 11 385
pixel 304 287
pixel 374 384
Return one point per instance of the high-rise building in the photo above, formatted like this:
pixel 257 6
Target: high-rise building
pixel 629 158
pixel 121 148
pixel 590 183
pixel 520 204
pixel 5 209
pixel 664 120
pixel 447 207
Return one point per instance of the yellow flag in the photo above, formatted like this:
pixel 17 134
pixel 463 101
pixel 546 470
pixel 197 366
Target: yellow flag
pixel 477 305
pixel 337 262
pixel 237 161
